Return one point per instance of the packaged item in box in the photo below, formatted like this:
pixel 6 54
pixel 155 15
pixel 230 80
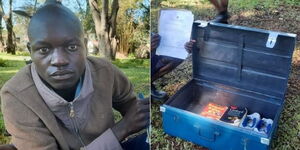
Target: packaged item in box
pixel 250 121
pixel 213 111
pixel 234 115
pixel 264 126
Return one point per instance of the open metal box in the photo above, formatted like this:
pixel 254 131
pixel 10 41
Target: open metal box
pixel 232 65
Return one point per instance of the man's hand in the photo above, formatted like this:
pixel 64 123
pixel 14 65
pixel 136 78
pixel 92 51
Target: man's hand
pixel 189 46
pixel 135 119
pixel 155 39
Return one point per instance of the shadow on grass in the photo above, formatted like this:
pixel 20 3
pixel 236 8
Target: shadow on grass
pixel 10 69
pixel 129 63
pixel 138 73
pixel 12 64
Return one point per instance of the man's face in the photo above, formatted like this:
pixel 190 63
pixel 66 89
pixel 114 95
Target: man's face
pixel 59 53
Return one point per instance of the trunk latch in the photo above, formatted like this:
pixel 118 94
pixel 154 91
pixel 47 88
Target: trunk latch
pixel 271 39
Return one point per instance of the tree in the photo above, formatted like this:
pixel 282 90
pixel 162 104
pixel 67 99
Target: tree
pixel 1 16
pixel 11 46
pixel 133 28
pixel 105 26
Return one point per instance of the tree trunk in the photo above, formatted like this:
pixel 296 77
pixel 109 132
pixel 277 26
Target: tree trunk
pixel 1 29
pixel 105 26
pixel 87 8
pixel 10 48
pixel 1 37
pixel 34 7
pixel 113 27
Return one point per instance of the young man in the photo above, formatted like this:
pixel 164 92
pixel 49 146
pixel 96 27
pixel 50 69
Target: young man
pixel 64 99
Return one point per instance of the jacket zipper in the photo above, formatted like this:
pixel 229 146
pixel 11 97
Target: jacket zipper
pixel 74 123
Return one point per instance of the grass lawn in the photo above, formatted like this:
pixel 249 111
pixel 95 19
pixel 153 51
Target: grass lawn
pixel 137 70
pixel 12 65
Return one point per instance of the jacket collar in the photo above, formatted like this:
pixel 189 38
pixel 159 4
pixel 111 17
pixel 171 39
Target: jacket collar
pixel 51 98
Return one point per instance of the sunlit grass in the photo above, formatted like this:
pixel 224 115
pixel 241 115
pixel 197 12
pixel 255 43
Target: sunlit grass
pixel 248 13
pixel 13 57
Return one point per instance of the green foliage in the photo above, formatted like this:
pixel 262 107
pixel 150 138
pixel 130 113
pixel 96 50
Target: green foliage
pixel 288 131
pixel 88 23
pixel 129 63
pixel 251 4
pixel 12 65
pixel 22 53
pixel 3 63
pixel 131 56
pixel 292 2
pixel 2 127
pixel 137 70
pixel 133 29
pixel 262 4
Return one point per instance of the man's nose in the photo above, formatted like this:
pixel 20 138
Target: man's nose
pixel 59 57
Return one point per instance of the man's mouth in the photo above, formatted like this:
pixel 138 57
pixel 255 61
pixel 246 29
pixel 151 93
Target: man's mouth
pixel 62 74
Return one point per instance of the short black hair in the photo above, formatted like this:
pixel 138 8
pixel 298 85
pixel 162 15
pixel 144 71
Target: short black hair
pixel 51 11
pixel 52 1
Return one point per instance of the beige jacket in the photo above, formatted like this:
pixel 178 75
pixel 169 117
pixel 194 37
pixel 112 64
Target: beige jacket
pixel 33 126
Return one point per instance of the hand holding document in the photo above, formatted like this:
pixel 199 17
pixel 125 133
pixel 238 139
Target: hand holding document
pixel 174 27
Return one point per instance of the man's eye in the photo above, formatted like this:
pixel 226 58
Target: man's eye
pixel 72 47
pixel 44 50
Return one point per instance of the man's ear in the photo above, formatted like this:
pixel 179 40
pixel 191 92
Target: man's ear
pixel 28 47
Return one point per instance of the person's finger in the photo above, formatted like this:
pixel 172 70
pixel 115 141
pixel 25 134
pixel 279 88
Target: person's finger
pixel 155 39
pixel 186 45
pixel 154 43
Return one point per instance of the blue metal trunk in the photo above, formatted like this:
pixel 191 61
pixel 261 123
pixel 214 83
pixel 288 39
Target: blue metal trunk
pixel 232 65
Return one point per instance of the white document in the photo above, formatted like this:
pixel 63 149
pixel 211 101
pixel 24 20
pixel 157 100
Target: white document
pixel 174 27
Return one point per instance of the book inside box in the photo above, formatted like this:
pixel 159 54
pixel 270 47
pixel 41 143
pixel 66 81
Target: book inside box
pixel 227 104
